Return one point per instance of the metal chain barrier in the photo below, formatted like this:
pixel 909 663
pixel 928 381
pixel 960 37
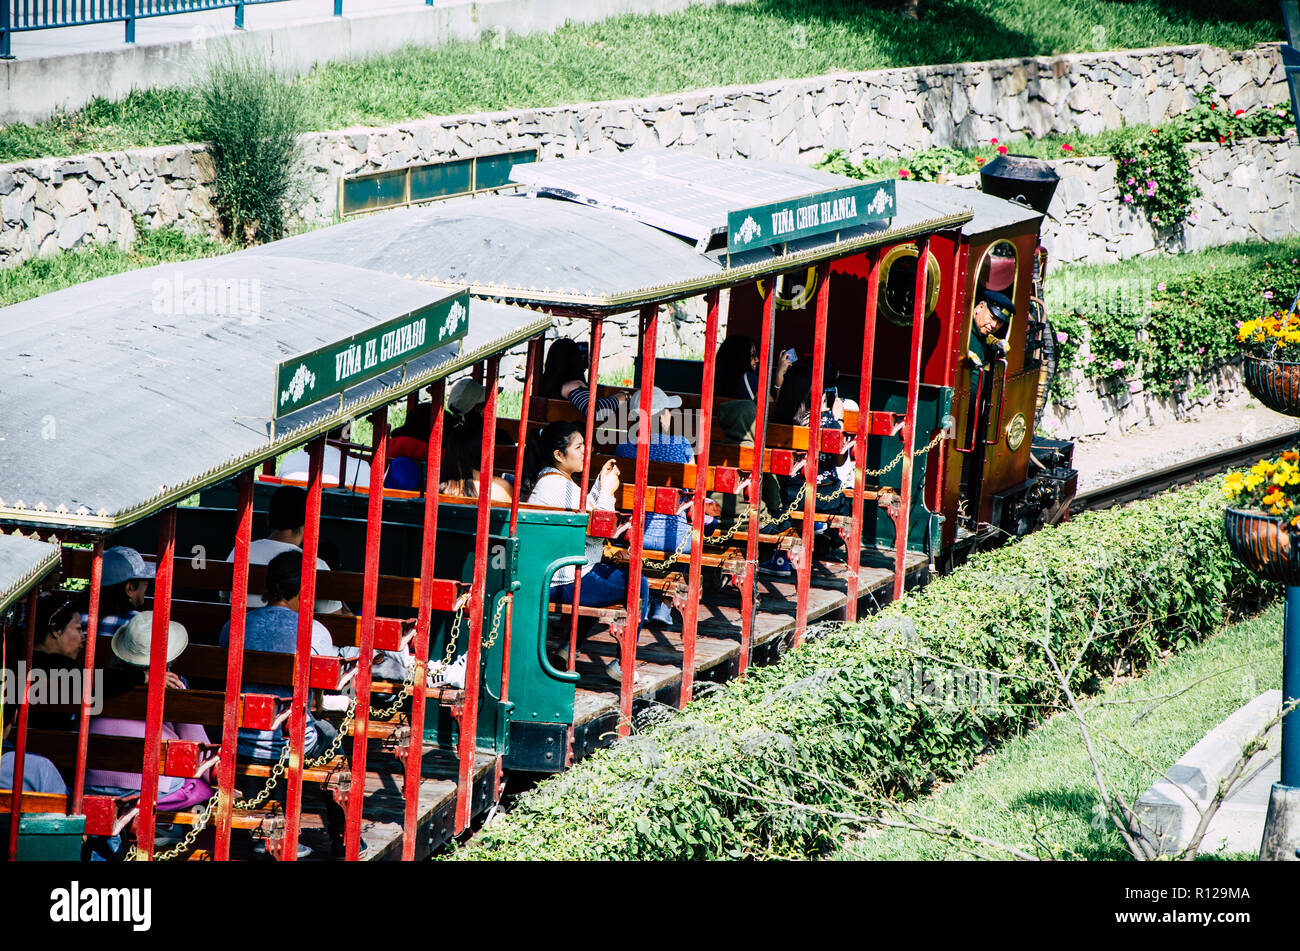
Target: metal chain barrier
pixel 134 854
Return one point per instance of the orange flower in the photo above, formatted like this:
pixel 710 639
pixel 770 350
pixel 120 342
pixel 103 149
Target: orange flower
pixel 1291 456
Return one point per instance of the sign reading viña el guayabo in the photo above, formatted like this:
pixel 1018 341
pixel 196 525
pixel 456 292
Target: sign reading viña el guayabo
pixel 765 225
pixel 331 369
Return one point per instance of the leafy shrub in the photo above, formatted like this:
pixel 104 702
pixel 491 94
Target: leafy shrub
pixel 749 770
pixel 1154 173
pixel 251 116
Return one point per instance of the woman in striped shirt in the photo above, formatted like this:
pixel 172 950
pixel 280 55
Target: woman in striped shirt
pixel 565 378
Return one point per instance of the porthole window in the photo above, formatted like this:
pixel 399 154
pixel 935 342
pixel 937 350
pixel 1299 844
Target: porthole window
pixel 898 284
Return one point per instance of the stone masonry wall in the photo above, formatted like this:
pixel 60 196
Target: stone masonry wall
pixel 877 113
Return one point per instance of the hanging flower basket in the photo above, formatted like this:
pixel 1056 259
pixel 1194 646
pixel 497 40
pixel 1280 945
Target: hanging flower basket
pixel 1275 383
pixel 1264 543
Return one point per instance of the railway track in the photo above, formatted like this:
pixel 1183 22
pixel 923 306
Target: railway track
pixel 1182 473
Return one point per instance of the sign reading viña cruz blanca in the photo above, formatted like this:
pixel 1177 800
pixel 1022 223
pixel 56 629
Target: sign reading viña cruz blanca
pixel 781 221
pixel 331 369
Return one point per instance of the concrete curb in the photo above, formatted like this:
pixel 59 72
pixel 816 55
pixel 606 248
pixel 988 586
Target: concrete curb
pixel 1171 809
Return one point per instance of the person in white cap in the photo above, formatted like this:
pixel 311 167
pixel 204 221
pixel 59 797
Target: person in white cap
pixel 124 588
pixel 664 446
pixel 466 395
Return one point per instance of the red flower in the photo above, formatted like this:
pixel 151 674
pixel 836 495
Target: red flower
pixel 1002 150
pixel 1221 140
pixel 904 173
pixel 980 160
pixel 1239 112
pixel 993 141
pixel 1213 106
pixel 1067 147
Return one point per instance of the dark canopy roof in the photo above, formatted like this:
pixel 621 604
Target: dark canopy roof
pixel 551 251
pixel 23 562
pixel 116 405
pixel 990 212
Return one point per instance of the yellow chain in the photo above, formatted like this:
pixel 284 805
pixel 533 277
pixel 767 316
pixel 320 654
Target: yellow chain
pixel 276 772
pixel 134 854
pixel 495 630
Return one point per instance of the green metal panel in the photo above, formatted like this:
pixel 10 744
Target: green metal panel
pixel 442 180
pixel 46 837
pixel 493 171
pixel 932 405
pixel 373 192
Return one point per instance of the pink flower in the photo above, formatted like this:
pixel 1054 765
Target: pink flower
pixel 1268 295
pixel 1067 147
pixel 1002 150
pixel 904 173
pixel 1131 181
pixel 1128 199
pixel 1199 351
pixel 1062 336
pixel 993 141
pixel 1117 365
pixel 1160 286
pixel 1238 322
pixel 1092 358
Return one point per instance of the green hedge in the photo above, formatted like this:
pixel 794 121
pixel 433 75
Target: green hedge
pixel 700 784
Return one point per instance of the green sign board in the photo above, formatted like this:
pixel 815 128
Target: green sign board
pixel 328 371
pixel 780 221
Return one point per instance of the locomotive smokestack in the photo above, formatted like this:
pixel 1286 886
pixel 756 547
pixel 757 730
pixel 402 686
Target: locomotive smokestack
pixel 1019 178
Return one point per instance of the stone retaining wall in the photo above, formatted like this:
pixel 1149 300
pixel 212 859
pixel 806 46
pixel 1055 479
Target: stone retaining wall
pixel 1115 407
pixel 877 113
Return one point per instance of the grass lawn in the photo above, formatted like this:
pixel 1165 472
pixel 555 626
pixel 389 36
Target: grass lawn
pixel 633 56
pixel 57 271
pixel 1043 781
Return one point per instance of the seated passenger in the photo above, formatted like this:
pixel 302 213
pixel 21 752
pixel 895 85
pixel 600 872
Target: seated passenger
pixel 736 369
pixel 554 458
pixel 793 407
pixel 59 644
pixel 357 473
pixel 275 628
pixel 287 517
pixel 39 774
pixel 565 378
pixel 461 455
pixel 131 646
pixel 666 533
pixel 664 446
pixel 124 588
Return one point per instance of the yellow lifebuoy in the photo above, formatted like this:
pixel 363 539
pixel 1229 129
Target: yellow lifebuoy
pixel 794 295
pixel 892 299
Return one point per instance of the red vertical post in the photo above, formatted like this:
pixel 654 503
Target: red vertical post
pixel 749 596
pixel 691 614
pixel 234 666
pixel 647 342
pixel 531 370
pixel 593 381
pixel 811 462
pixel 428 549
pixel 864 428
pixel 909 421
pixel 302 666
pixel 369 605
pixel 20 744
pixel 473 662
pixel 88 675
pixel 162 604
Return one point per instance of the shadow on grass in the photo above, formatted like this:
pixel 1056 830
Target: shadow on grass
pixel 1072 805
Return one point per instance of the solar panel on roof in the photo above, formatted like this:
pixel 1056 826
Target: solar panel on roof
pixel 680 193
